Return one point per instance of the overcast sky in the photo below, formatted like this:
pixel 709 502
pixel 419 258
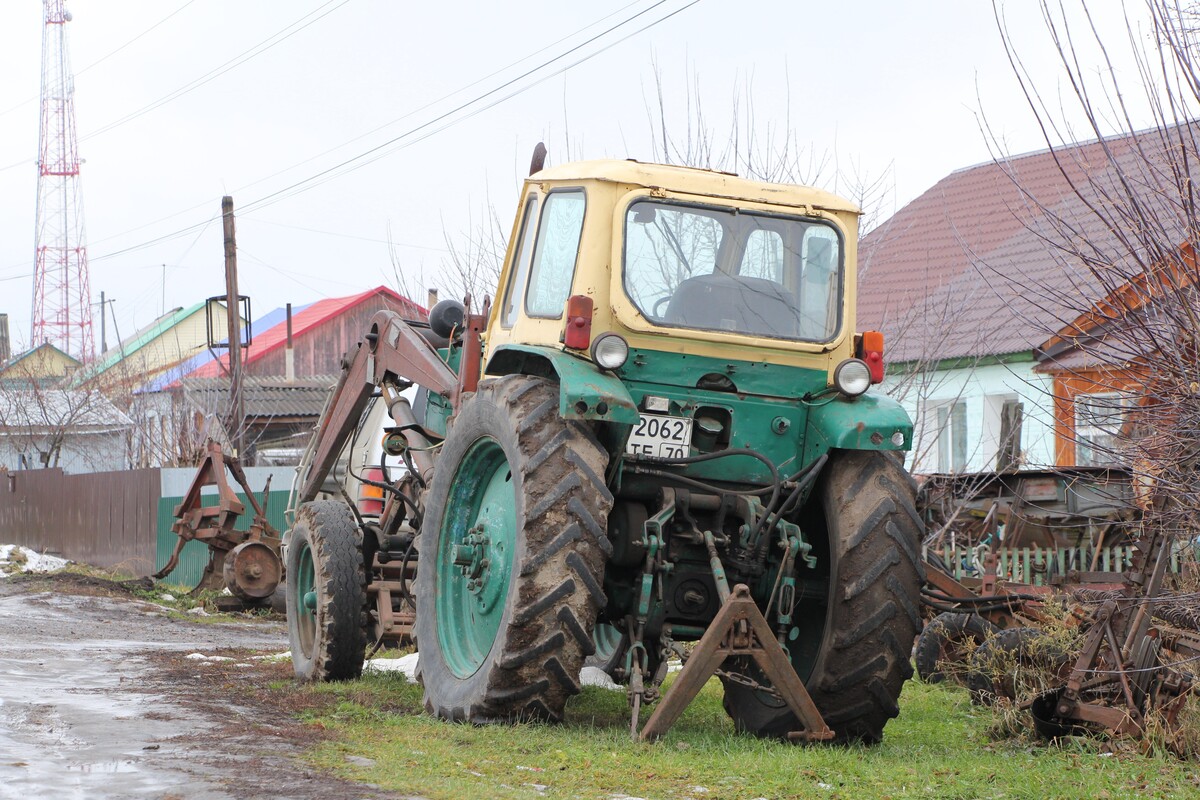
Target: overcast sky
pixel 214 97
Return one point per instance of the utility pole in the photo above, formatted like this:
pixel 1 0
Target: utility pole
pixel 237 411
pixel 104 304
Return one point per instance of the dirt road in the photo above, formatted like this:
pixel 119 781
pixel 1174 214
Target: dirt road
pixel 99 700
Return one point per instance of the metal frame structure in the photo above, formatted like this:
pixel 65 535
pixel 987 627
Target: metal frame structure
pixel 62 310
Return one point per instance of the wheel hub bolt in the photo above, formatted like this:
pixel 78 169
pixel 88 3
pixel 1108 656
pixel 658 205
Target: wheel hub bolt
pixel 463 555
pixel 310 601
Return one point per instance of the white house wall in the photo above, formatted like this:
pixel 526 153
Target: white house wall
pixel 81 452
pixel 983 391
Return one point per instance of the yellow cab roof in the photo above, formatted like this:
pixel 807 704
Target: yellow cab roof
pixel 692 180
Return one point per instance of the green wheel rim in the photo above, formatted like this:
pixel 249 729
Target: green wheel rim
pixel 302 585
pixel 607 638
pixel 476 543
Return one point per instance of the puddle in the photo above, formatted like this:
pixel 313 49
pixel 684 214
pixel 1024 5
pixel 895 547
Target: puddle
pixel 70 725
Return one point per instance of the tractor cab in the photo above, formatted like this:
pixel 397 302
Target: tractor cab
pixel 655 295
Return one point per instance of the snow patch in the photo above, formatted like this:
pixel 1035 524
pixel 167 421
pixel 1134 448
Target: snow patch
pixel 15 558
pixel 407 665
pixel 594 676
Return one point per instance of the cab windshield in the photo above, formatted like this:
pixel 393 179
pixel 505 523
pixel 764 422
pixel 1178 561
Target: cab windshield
pixel 741 272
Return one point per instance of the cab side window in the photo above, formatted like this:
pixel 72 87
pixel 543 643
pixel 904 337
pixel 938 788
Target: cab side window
pixel 516 282
pixel 553 268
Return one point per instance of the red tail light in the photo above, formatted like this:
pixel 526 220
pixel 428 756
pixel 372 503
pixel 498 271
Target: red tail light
pixel 578 332
pixel 370 498
pixel 872 353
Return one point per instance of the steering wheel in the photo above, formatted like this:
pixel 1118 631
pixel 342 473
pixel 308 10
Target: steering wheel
pixel 658 309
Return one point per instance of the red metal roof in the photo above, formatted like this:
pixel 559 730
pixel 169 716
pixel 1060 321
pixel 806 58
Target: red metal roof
pixel 970 268
pixel 311 317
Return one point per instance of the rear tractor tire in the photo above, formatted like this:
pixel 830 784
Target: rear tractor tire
pixel 326 594
pixel 872 613
pixel 512 549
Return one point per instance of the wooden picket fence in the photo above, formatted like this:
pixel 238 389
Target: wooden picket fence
pixel 1035 565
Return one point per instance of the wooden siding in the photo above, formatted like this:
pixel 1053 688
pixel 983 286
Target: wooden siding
pixel 319 350
pixel 1068 386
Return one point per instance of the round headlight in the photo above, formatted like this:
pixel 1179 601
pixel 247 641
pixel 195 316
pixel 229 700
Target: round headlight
pixel 852 377
pixel 609 351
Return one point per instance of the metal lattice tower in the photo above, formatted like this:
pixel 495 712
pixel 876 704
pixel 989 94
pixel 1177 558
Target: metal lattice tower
pixel 62 312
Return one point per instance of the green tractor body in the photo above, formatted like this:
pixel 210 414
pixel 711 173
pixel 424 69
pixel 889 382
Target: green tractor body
pixel 667 400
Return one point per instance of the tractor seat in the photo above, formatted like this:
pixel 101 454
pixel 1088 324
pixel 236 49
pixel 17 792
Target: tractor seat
pixel 727 303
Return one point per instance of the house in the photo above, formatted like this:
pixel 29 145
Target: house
pixel 174 338
pixel 967 284
pixel 44 364
pixel 284 389
pixel 280 417
pixel 77 430
pixel 322 333
pixel 1108 363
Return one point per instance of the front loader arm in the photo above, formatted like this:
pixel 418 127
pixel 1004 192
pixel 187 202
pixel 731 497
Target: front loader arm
pixel 392 353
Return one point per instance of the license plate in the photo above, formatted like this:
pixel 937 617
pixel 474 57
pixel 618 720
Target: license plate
pixel 658 436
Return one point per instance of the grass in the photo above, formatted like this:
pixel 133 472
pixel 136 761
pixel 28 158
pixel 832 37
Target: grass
pixel 939 747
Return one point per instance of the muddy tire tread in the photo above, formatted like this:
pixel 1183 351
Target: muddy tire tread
pixel 947 628
pixel 534 666
pixel 874 616
pixel 340 643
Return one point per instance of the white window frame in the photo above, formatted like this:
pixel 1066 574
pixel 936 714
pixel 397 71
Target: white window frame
pixel 1107 433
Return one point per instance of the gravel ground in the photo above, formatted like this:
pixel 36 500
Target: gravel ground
pixel 98 699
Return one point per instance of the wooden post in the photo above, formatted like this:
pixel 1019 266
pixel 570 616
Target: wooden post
pixel 237 410
pixel 289 355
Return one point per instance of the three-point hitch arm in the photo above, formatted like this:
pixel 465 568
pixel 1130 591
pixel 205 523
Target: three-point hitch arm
pixel 392 357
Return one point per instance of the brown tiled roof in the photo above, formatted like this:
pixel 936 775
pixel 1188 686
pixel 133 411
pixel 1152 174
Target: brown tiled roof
pixel 970 269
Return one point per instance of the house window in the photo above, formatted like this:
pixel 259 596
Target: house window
pixel 952 437
pixel 1099 421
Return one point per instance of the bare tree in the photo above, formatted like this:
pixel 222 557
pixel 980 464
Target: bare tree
pixel 1122 289
pixel 43 426
pixel 472 266
pixel 770 150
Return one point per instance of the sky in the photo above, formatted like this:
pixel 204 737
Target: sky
pixel 355 133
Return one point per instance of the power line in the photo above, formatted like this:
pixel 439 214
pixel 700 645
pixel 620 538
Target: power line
pixel 310 182
pixel 109 55
pixel 247 55
pixel 258 49
pixel 443 98
pixel 104 58
pixel 457 91
pixel 397 142
pixel 261 221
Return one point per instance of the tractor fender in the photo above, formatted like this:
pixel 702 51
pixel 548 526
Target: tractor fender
pixel 585 392
pixel 867 422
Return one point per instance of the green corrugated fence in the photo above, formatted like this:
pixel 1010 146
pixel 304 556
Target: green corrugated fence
pixel 194 557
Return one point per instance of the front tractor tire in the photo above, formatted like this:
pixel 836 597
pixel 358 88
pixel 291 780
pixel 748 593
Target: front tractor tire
pixel 865 503
pixel 326 594
pixel 513 547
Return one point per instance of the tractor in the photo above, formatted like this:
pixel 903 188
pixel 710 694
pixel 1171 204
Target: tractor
pixel 660 433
